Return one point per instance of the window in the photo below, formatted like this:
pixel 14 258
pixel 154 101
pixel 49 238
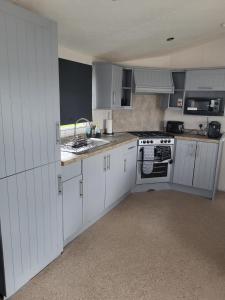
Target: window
pixel 75 82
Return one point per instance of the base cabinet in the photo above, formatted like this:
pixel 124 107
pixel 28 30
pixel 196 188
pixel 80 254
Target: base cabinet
pixel 72 208
pixel 94 169
pixel 115 179
pixel 130 157
pixel 205 165
pixel 195 164
pixel 184 162
pixel 106 178
pixel 31 224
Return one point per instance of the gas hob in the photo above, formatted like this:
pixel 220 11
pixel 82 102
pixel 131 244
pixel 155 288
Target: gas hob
pixel 153 137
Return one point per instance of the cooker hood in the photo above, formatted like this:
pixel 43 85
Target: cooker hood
pixel 151 81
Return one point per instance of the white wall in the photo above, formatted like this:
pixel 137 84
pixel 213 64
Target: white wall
pixel 211 54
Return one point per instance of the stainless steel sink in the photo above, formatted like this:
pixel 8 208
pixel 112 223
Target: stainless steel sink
pixel 92 144
pixel 97 142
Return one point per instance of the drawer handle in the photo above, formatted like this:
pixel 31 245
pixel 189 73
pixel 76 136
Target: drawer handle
pixel 205 88
pixel 132 147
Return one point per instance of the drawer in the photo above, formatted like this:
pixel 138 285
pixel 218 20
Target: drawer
pixel 70 171
pixel 130 146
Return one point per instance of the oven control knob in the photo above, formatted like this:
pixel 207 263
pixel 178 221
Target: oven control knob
pixel 147 141
pixel 151 141
pixel 161 141
pixel 165 141
pixel 169 141
pixel 144 142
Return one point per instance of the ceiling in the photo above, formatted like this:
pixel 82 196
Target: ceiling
pixel 130 29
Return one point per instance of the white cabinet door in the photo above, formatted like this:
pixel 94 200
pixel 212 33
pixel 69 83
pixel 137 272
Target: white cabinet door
pixel 130 158
pixel 72 208
pixel 94 177
pixel 184 162
pixel 115 178
pixel 29 97
pixel 205 165
pixel 30 212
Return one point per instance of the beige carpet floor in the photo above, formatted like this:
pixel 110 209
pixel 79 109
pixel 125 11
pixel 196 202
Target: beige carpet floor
pixel 157 246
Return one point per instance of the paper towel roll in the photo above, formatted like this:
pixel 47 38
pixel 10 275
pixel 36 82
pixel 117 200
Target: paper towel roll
pixel 109 129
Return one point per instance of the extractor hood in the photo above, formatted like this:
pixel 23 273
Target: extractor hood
pixel 151 81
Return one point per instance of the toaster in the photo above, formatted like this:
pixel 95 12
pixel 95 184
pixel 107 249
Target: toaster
pixel 175 127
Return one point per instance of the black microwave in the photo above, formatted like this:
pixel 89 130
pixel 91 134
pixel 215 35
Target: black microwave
pixel 204 106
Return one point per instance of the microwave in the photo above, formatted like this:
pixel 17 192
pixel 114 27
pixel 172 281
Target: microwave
pixel 204 106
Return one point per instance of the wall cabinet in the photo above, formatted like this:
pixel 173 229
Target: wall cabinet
pixel 112 86
pixel 195 164
pixel 205 80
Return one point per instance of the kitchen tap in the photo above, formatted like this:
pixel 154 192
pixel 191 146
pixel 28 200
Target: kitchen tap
pixel 78 121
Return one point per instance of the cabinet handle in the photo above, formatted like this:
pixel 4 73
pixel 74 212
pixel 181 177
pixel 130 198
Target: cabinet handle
pixel 197 151
pixel 60 185
pixel 81 188
pixel 113 97
pixel 125 165
pixel 58 141
pixel 108 162
pixel 132 147
pixel 205 88
pixel 105 164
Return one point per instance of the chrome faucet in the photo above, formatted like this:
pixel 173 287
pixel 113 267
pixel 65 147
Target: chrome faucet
pixel 78 121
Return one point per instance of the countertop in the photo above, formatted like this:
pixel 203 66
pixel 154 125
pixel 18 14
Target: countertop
pixel 196 137
pixel 116 140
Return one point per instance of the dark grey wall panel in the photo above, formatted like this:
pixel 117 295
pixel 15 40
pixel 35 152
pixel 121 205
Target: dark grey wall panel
pixel 75 80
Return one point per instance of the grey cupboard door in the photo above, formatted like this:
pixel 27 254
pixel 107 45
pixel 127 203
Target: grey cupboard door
pixel 29 90
pixel 205 165
pixel 116 86
pixel 184 162
pixel 115 179
pixel 30 218
pixel 94 177
pixel 205 80
pixel 130 158
pixel 72 208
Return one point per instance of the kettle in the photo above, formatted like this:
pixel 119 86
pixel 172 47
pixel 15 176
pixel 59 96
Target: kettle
pixel 214 130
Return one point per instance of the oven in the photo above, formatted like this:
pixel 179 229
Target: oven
pixel 155 161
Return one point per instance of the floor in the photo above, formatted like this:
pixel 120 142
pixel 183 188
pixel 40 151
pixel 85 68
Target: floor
pixel 156 245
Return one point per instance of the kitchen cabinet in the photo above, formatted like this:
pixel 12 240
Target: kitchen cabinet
pixel 115 179
pixel 112 86
pixel 106 178
pixel 30 206
pixel 150 81
pixel 107 85
pixel 29 90
pixel 205 80
pixel 205 165
pixel 184 162
pixel 130 158
pixel 72 208
pixel 31 223
pixel 195 164
pixel 94 169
